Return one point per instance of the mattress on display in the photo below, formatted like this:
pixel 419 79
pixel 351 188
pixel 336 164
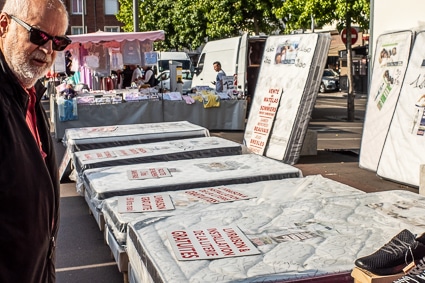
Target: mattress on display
pixel 392 52
pixel 106 182
pixel 287 87
pixel 407 130
pixel 153 152
pixel 310 187
pixel 297 241
pixel 78 139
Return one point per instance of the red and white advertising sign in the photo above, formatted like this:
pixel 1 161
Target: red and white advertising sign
pixel 99 155
pixel 217 195
pixel 210 243
pixel 149 173
pixel 146 203
pixel 133 151
pixel 264 120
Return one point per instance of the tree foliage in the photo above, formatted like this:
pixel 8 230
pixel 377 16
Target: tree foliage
pixel 189 23
pixel 298 14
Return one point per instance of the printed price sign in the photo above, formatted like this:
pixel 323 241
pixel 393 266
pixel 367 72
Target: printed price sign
pixel 133 151
pixel 144 203
pixel 98 155
pixel 217 195
pixel 210 243
pixel 264 121
pixel 150 173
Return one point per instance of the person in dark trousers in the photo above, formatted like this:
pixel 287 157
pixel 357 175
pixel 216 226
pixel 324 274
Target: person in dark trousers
pixel 32 31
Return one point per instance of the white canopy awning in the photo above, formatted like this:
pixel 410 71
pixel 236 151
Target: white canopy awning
pixel 113 39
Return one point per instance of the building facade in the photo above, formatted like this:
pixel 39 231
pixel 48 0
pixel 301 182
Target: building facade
pixel 99 15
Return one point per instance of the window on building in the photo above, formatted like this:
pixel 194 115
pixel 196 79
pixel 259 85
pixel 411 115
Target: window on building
pixel 76 7
pixel 112 29
pixel 111 7
pixel 76 30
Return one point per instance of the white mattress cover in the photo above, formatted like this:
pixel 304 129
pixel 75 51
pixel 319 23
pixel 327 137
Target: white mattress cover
pixel 153 152
pixel 286 190
pixel 141 133
pixel 344 228
pixel 383 95
pixel 402 153
pixel 102 183
pixel 285 95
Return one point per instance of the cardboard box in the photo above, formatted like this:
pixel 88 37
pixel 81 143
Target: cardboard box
pixel 364 276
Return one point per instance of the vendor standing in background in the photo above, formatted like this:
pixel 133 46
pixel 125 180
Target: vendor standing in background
pixel 31 33
pixel 137 73
pixel 219 78
pixel 149 77
pixel 126 74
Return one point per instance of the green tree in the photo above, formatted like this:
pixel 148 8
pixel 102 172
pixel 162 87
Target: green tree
pixel 189 23
pixel 299 15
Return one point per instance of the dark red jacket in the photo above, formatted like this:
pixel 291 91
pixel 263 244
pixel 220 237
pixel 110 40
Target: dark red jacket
pixel 29 188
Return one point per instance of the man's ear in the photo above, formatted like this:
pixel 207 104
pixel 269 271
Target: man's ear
pixel 4 24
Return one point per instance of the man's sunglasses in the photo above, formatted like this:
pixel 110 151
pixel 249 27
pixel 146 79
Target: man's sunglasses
pixel 39 37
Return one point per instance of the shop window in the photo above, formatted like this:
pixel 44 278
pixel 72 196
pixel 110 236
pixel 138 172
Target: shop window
pixel 112 29
pixel 76 7
pixel 111 7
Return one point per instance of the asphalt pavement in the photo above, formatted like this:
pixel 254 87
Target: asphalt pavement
pixel 83 256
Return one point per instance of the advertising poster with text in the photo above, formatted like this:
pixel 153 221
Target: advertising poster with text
pixel 280 85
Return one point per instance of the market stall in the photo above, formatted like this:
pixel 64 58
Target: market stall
pixel 96 58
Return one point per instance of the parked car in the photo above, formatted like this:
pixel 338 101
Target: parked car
pixel 164 81
pixel 330 81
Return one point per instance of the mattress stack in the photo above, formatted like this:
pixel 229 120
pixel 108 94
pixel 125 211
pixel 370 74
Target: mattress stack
pixel 276 240
pixel 78 139
pixel 103 183
pixel 152 152
pixel 89 138
pixel 205 199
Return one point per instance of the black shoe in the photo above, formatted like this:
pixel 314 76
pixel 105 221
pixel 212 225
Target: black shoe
pixel 415 275
pixel 394 255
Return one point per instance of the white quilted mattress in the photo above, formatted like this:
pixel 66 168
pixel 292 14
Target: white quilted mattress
pixel 297 240
pixel 154 152
pixel 286 190
pixel 103 183
pixel 77 139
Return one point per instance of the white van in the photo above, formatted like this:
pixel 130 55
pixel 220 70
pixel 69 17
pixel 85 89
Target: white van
pixel 239 56
pixel 164 59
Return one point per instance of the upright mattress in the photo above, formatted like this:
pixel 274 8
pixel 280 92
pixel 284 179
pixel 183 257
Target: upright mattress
pixel 407 130
pixel 299 240
pixel 154 152
pixel 78 139
pixel 285 94
pixel 389 67
pixel 286 190
pixel 103 183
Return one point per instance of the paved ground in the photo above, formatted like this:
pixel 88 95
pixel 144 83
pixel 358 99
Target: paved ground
pixel 82 255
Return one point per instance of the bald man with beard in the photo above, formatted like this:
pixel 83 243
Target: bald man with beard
pixel 31 33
